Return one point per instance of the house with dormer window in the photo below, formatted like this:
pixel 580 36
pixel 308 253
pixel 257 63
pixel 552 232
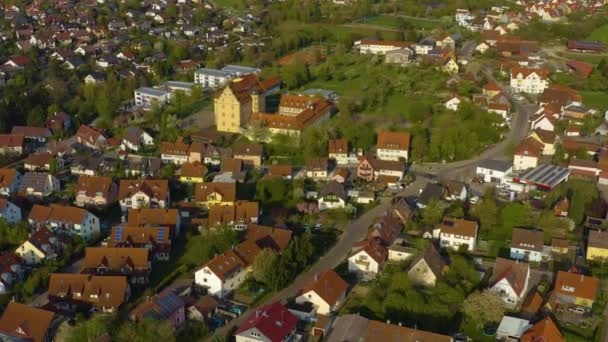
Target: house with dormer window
pixel 146 193
pixel 130 262
pixel 85 293
pixel 217 193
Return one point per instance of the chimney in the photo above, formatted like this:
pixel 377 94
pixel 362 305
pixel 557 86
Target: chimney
pixel 388 321
pixel 582 277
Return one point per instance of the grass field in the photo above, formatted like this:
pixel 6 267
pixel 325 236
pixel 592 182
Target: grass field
pixel 589 58
pixel 599 34
pixel 397 22
pixel 229 3
pixel 595 99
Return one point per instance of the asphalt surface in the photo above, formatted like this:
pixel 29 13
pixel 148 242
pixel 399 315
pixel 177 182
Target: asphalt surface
pixel 353 232
pixel 466 168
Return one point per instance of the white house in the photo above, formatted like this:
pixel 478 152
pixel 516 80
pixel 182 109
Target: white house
pixel 494 171
pixel 326 291
pixel 527 244
pixel 332 196
pixel 65 219
pixel 457 232
pixel 543 121
pixel 527 154
pixel 212 78
pixel 222 274
pixel 393 145
pixel 338 151
pixel 453 103
pixel 368 256
pixel 510 280
pixel 9 211
pixel 134 138
pixel 151 193
pixel 146 96
pixel 529 80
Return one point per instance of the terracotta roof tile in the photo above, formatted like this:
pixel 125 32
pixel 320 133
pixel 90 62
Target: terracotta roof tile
pixel 26 323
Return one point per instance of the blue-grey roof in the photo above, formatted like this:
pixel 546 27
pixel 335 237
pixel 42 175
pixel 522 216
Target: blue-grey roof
pixel 179 84
pixel 152 91
pixel 213 72
pixel 240 69
pixel 498 165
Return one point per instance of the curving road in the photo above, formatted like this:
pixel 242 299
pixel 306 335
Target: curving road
pixel 353 231
pixel 356 230
pixel 519 131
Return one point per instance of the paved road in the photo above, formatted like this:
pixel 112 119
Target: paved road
pixel 353 232
pixel 466 168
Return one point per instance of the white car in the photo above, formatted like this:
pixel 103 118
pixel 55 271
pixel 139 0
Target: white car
pixel 474 200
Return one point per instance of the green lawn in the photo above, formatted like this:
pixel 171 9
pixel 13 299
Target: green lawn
pixel 589 58
pixel 229 3
pixel 401 22
pixel 599 34
pixel 595 99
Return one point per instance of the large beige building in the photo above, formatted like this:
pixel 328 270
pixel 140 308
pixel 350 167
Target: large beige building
pixel 235 103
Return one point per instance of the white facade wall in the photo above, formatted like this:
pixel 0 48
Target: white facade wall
pixel 455 241
pixel 390 154
pixel 522 162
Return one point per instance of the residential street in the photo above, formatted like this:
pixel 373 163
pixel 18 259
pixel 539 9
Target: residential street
pixel 466 168
pixel 353 232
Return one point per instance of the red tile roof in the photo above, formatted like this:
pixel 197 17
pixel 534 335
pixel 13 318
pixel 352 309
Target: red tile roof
pixel 274 321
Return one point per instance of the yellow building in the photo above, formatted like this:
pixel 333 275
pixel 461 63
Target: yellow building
pixel 450 66
pixel 234 104
pixel 211 194
pixel 42 245
pixel 597 246
pixel 192 172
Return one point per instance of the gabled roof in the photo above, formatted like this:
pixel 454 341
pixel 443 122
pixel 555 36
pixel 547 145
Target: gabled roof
pixel 544 330
pixel 153 217
pixel 57 213
pixel 393 140
pixel 372 248
pixel 273 321
pixel 268 237
pixel 514 272
pixel 31 131
pixel 530 147
pixel 528 239
pixel 433 259
pixel 226 189
pixel 139 235
pixel 105 291
pixel 597 239
pixel 225 264
pixel 155 188
pixel 455 226
pixel 338 146
pixel 7 176
pixel 11 140
pixel 577 285
pixel 92 185
pixel 159 307
pixel 328 285
pixel 26 323
pixel 115 258
pixel 334 188
pixel 542 73
pixel 248 150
